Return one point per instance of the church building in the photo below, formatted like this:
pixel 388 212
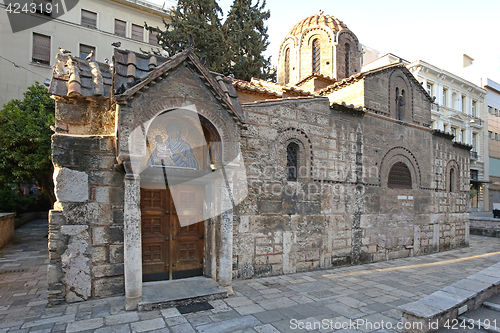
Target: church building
pixel 166 170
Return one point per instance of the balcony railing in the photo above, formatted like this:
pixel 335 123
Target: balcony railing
pixel 476 121
pixel 435 107
pixel 473 155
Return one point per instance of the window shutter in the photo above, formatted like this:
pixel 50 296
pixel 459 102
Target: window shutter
pixel 85 50
pixel 120 28
pixel 153 39
pixel 137 32
pixel 41 49
pixel 89 19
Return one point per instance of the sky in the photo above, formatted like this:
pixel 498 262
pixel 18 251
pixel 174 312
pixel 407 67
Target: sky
pixel 436 31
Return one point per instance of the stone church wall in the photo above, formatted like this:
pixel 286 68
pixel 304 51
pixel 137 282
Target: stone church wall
pixel 86 224
pixel 341 211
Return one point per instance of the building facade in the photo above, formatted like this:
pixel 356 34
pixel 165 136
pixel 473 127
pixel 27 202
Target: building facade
pixel 460 108
pixel 92 25
pixel 184 172
pixel 493 102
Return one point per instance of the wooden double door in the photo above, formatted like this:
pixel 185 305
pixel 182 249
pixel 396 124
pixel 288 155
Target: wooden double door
pixel 172 233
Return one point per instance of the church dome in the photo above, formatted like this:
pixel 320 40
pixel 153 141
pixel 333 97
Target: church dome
pixel 318 20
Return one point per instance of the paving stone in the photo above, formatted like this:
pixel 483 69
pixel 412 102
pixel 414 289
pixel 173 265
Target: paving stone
pixel 174 321
pixel 266 328
pixel 170 312
pixel 148 325
pixel 114 329
pixel 122 318
pixel 229 325
pixel 280 302
pixel 238 301
pixel 61 319
pixel 184 328
pixel 84 325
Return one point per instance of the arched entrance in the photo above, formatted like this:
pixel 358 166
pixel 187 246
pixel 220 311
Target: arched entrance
pixel 182 147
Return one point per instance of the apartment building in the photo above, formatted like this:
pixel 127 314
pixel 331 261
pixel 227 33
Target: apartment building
pixel 459 108
pixel 90 26
pixel 493 105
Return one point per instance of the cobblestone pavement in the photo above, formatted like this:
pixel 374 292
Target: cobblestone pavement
pixel 285 303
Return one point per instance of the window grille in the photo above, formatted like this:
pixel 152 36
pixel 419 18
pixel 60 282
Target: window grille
pixel 287 66
pixel 400 176
pixel 292 161
pixel 316 56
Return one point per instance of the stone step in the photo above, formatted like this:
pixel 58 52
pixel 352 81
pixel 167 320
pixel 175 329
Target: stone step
pixel 166 294
pixel 492 306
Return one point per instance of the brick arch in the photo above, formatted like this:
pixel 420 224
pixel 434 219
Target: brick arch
pixel 304 62
pixel 399 81
pixel 399 154
pixel 290 43
pixel 299 137
pixel 134 123
pixel 452 164
pixel 347 37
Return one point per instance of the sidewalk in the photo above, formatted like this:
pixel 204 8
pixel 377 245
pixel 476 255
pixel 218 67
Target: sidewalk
pixel 274 304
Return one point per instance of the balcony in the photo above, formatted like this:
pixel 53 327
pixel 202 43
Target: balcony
pixel 473 155
pixel 434 107
pixel 475 121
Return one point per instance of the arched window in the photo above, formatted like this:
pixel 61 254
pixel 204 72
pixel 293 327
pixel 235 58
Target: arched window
pixel 287 66
pixel 399 176
pixel 400 104
pixel 347 59
pixel 452 180
pixel 292 161
pixel 316 56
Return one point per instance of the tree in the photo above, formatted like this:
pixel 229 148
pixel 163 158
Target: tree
pixel 248 39
pixel 234 47
pixel 25 142
pixel 200 18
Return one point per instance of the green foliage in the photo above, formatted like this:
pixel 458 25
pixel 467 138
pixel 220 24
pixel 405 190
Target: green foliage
pixel 248 39
pixel 12 201
pixel 234 47
pixel 200 18
pixel 25 143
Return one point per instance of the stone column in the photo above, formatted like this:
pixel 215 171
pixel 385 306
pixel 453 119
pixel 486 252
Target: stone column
pixel 226 232
pixel 132 242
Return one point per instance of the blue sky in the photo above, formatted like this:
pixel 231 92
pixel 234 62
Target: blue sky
pixel 436 31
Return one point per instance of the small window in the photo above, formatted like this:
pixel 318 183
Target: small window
pixel 463 104
pixel 399 176
pixel 474 142
pixel 287 66
pixel 89 19
pixel 462 136
pixel 85 50
pixel 445 96
pixel 454 132
pixel 347 49
pixel 316 56
pixel 120 28
pixel 137 32
pixel 496 136
pixel 292 161
pixel 43 7
pixel 41 49
pixel 153 38
pixel 490 134
pixel 430 89
pixel 490 110
pixel 474 109
pixel 452 180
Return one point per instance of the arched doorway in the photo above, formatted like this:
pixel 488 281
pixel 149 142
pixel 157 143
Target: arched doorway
pixel 182 146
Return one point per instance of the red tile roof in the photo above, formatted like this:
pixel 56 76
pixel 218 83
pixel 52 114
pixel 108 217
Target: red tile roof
pixel 318 20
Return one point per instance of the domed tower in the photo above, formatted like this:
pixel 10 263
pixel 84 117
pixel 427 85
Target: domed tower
pixel 319 44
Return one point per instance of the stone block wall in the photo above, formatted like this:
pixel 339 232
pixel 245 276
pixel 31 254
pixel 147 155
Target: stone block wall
pixel 340 211
pixel 6 228
pixel 86 224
